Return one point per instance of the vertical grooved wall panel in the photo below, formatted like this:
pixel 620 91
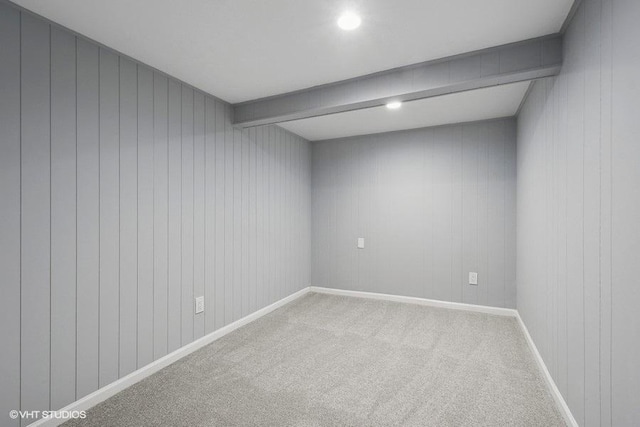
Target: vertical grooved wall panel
pixel 63 218
pixel 236 230
pixel 218 145
pixel 10 246
pixel 145 217
pixel 592 213
pixel 88 218
pixel 228 196
pixel 160 212
pixel 210 217
pixel 35 214
pixel 260 218
pixel 174 231
pixel 606 214
pixel 109 217
pixel 199 209
pixel 244 218
pixel 128 216
pixel 186 205
pixel 125 194
pixel 252 236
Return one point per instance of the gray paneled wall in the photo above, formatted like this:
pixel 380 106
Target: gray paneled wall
pixel 578 211
pixel 432 204
pixel 125 194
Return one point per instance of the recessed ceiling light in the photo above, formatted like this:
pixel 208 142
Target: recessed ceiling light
pixel 394 105
pixel 349 21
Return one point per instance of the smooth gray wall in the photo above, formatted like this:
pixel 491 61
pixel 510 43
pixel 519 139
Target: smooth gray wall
pixel 125 194
pixel 432 204
pixel 578 216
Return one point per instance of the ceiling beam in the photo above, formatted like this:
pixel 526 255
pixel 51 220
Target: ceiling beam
pixel 516 62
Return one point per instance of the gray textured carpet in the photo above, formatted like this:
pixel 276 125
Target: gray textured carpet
pixel 336 361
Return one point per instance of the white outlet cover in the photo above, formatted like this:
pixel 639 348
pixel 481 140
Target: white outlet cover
pixel 360 242
pixel 199 304
pixel 473 278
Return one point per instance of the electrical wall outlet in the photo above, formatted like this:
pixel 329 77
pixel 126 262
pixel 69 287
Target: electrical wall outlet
pixel 199 304
pixel 473 278
pixel 360 242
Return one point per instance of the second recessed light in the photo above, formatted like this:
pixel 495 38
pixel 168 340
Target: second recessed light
pixel 349 21
pixel 394 105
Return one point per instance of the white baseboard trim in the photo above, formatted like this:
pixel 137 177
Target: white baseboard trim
pixel 115 387
pixel 420 301
pixel 557 396
pixel 106 392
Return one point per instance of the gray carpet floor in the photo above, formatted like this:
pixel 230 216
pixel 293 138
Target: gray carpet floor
pixel 326 360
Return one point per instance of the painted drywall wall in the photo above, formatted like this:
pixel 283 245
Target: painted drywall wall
pixel 578 210
pixel 125 194
pixel 432 205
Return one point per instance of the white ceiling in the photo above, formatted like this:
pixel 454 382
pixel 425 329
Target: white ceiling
pixel 481 104
pixel 246 49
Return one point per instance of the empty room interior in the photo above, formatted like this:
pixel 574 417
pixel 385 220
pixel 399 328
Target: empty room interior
pixel 319 213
